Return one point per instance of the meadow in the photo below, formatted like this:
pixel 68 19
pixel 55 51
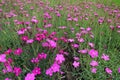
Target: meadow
pixel 59 40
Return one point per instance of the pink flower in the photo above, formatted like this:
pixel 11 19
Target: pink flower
pixel 75 45
pixel 18 51
pixel 119 70
pixel 17 71
pixel 8 79
pixel 94 63
pixel 24 38
pixel 75 19
pixel 71 40
pixel 29 41
pixel 105 57
pixel 59 58
pixel 55 67
pixel 76 64
pixel 36 71
pixel 91 44
pixel 93 70
pixel 8 68
pixel 20 32
pixel 35 21
pixel 49 72
pixel 45 44
pixel 93 53
pixel 35 60
pixel 108 70
pixel 48 25
pixel 8 51
pixel 76 58
pixel 52 43
pixel 81 40
pixel 3 58
pixel 30 76
pixel 84 51
pixel 42 56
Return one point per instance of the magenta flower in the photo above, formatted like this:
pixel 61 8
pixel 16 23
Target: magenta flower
pixel 49 72
pixel 42 56
pixel 55 67
pixel 105 57
pixel 94 63
pixel 8 51
pixel 91 44
pixel 35 60
pixel 45 44
pixel 8 79
pixel 48 25
pixel 18 51
pixel 30 76
pixel 29 41
pixel 59 58
pixel 76 64
pixel 52 43
pixel 20 32
pixel 36 71
pixel 70 40
pixel 81 40
pixel 33 20
pixel 119 70
pixel 3 58
pixel 84 51
pixel 17 71
pixel 93 70
pixel 8 68
pixel 24 38
pixel 108 70
pixel 93 53
pixel 76 58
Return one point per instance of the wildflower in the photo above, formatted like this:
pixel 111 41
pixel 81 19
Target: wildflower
pixel 76 58
pixel 59 58
pixel 24 38
pixel 84 51
pixel 36 71
pixel 9 68
pixel 29 41
pixel 91 44
pixel 42 56
pixel 52 43
pixel 119 70
pixel 93 53
pixel 30 76
pixel 105 57
pixel 8 79
pixel 81 40
pixel 76 64
pixel 45 44
pixel 48 25
pixel 3 58
pixel 33 20
pixel 71 40
pixel 93 70
pixel 55 67
pixel 108 70
pixel 35 60
pixel 8 51
pixel 18 51
pixel 17 71
pixel 49 72
pixel 94 63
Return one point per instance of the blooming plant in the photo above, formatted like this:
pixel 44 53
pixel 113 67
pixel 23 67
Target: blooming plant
pixel 59 40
